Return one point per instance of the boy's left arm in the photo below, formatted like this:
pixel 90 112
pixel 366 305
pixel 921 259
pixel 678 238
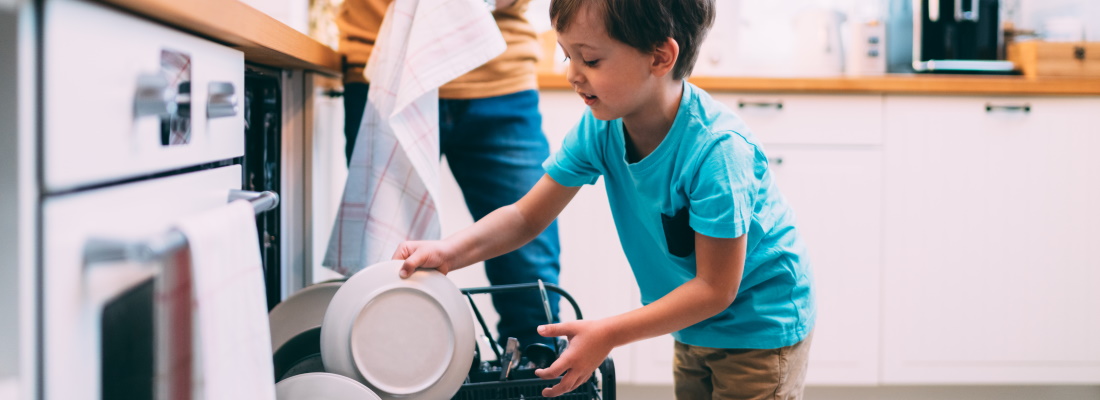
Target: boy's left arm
pixel 719 265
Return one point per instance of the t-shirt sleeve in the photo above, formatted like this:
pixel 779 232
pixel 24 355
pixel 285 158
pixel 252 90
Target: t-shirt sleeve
pixel 575 164
pixel 722 195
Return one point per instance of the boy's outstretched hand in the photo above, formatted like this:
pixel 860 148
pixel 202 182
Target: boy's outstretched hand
pixel 589 344
pixel 433 254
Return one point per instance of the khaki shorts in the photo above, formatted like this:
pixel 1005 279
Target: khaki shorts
pixel 703 373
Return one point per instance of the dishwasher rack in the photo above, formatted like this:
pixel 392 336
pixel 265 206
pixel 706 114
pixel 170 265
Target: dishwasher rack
pixel 522 384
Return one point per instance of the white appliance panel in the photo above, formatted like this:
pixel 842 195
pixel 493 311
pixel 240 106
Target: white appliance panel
pixel 74 294
pixel 95 132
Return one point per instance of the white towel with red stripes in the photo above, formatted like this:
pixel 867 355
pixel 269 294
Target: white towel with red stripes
pixel 229 305
pixel 393 178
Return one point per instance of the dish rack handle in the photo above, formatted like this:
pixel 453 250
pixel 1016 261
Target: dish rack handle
pixel 518 287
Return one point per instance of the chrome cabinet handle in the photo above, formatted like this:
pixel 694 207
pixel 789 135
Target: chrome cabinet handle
pixel 760 104
pixel 152 97
pixel 222 100
pixel 990 107
pixel 102 250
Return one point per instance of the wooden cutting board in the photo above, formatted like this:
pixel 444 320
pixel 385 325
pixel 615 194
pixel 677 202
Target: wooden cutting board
pixel 1068 59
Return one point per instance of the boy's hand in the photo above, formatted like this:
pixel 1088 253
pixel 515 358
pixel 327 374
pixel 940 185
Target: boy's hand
pixel 434 254
pixel 589 345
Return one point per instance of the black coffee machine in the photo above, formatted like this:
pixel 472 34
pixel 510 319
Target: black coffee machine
pixel 958 36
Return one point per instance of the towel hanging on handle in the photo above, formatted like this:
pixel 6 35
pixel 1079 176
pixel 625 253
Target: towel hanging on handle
pixel 233 353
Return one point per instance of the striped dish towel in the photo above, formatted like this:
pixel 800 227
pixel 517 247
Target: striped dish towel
pixel 393 178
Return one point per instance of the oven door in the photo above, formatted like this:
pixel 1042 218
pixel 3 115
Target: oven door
pixel 100 319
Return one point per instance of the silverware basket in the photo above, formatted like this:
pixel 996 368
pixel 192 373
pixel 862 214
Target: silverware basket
pixel 522 384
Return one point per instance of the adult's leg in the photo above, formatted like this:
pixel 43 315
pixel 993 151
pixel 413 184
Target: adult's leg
pixel 355 101
pixel 495 148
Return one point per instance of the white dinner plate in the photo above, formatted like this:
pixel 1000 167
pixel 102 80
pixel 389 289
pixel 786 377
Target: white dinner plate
pixel 300 312
pixel 322 385
pixel 403 338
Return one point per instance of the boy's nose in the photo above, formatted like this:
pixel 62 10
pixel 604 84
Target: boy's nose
pixel 573 75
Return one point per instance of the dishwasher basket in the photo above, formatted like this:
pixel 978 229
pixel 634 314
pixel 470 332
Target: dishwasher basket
pixel 522 384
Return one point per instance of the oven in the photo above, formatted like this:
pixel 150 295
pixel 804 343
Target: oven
pixel 142 125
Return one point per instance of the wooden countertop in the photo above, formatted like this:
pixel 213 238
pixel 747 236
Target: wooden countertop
pixel 264 40
pixel 892 83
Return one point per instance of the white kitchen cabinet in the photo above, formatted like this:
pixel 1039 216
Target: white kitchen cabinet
pixel 991 222
pixel 836 195
pixel 827 161
pixel 825 153
pixel 783 118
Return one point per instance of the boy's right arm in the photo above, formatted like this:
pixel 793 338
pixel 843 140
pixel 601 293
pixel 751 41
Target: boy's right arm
pixel 501 231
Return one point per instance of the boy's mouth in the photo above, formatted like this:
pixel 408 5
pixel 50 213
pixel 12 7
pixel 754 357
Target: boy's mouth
pixel 588 100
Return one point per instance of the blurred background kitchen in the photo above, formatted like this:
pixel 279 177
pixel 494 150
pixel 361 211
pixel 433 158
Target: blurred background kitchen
pixel 939 155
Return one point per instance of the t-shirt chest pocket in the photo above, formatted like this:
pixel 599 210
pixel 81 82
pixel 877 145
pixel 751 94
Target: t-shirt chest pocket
pixel 679 236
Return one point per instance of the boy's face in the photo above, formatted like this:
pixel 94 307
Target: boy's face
pixel 609 75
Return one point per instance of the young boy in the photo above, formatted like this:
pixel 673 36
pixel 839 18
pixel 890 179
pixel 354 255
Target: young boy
pixel 711 240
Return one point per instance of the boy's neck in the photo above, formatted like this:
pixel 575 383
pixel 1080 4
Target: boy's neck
pixel 646 128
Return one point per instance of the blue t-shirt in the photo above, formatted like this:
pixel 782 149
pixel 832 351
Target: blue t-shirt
pixel 709 175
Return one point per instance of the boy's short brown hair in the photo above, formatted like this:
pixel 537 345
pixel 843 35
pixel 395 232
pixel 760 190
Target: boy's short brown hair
pixel 645 24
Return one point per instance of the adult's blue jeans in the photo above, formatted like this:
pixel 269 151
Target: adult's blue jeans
pixel 495 148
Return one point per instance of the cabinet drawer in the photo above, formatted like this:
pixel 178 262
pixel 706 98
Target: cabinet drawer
pixel 809 119
pixel 125 97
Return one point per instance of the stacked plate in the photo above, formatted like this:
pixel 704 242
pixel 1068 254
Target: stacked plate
pixel 321 385
pixel 296 330
pixel 402 338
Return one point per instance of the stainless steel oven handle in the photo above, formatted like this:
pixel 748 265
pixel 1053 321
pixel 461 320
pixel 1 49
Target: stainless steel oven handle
pixel 222 100
pixel 152 97
pixel 105 250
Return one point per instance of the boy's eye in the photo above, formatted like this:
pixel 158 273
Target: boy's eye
pixel 591 63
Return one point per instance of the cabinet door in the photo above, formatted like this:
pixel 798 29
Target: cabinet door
pixel 991 226
pixel 835 192
pixel 836 195
pixel 827 161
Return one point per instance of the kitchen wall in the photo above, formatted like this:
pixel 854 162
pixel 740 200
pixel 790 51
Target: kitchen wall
pixel 293 13
pixel 1034 14
pixel 786 37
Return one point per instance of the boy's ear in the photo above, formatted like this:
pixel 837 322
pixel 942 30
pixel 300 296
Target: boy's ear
pixel 664 57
